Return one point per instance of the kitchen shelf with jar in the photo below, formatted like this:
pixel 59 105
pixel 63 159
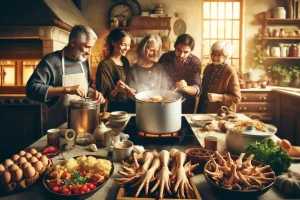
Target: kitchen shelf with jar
pixel 141 23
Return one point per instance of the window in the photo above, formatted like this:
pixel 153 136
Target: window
pixel 222 20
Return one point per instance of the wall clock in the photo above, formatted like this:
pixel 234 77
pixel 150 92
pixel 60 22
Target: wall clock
pixel 179 27
pixel 125 9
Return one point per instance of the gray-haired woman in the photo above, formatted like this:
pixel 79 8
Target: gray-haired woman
pixel 220 85
pixel 146 74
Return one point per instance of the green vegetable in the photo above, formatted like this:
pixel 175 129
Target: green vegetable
pixel 77 179
pixel 267 152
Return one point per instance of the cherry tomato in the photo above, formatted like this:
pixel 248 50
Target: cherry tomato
pixel 66 191
pixel 82 187
pixel 55 189
pixel 86 190
pixel 83 173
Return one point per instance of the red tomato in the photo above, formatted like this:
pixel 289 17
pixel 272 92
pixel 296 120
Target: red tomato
pixel 83 173
pixel 83 187
pixel 66 191
pixel 86 190
pixel 55 189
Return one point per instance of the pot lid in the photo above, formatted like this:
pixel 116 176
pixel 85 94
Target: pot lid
pixel 242 128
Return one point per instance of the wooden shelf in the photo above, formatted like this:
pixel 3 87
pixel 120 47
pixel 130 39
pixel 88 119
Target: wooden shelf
pixel 284 58
pixel 282 21
pixel 281 38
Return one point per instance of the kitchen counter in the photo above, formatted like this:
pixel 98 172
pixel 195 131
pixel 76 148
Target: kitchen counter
pixel 110 189
pixel 285 90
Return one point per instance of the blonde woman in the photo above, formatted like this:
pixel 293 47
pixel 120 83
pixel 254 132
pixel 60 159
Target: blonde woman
pixel 146 74
pixel 220 85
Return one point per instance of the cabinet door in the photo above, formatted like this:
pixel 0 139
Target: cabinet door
pixel 257 96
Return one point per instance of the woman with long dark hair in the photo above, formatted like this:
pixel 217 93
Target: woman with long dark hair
pixel 111 72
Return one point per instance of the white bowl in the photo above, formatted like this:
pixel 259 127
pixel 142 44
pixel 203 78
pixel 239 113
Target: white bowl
pixel 202 120
pixel 117 123
pixel 118 115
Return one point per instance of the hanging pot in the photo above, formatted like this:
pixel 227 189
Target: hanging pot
pixel 158 117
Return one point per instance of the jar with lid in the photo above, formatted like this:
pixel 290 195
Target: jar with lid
pixel 269 32
pixel 293 51
pixel 275 33
pixel 282 33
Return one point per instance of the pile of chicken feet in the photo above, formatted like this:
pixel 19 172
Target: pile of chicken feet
pixel 168 169
pixel 239 175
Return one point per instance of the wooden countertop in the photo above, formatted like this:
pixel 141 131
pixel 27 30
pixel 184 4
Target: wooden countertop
pixel 283 90
pixel 109 191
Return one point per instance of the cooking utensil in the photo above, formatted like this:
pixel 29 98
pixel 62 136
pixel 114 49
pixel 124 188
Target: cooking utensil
pixel 83 115
pixel 157 117
pixel 175 89
pixel 245 137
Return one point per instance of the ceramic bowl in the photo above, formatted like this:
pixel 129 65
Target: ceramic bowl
pixel 118 115
pixel 225 193
pixel 200 156
pixel 202 120
pixel 117 123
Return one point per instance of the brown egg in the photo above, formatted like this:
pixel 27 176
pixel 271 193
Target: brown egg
pixel 16 175
pixel 21 160
pixel 25 165
pixel 15 157
pixel 33 151
pixel 22 153
pixel 29 172
pixel 33 159
pixel 2 168
pixel 13 167
pixel 38 155
pixel 28 155
pixel 44 160
pixel 7 163
pixel 5 177
pixel 38 166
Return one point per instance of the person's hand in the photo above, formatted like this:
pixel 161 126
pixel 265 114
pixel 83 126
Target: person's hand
pixel 121 85
pixel 131 92
pixel 76 89
pixel 213 97
pixel 181 85
pixel 97 95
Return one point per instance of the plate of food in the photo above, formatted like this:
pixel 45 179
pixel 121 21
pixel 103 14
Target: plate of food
pixel 78 177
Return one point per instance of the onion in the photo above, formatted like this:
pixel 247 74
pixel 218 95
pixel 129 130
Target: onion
pixel 222 125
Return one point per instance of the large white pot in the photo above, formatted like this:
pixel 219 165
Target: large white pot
pixel 158 117
pixel 237 141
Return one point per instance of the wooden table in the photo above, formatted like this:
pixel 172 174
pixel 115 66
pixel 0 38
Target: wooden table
pixel 110 190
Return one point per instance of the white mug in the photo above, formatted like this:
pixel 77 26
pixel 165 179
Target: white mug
pixel 112 137
pixel 122 150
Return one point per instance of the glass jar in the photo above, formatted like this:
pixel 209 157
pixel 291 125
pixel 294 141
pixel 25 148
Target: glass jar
pixel 116 22
pixel 275 33
pixel 293 51
pixel 282 33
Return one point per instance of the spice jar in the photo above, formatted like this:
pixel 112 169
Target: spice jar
pixel 275 32
pixel 210 143
pixel 293 51
pixel 282 33
pixel 116 22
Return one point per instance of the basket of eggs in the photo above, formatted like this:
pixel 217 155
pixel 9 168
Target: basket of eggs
pixel 22 170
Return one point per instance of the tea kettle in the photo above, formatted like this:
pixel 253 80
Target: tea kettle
pixel 99 134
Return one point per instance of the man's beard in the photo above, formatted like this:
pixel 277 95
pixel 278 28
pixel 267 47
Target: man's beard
pixel 78 55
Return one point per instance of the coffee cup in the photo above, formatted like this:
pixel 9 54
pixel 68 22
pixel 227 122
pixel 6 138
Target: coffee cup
pixel 113 137
pixel 122 150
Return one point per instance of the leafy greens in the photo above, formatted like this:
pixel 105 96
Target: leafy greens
pixel 268 153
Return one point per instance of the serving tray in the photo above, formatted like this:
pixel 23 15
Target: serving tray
pixel 122 194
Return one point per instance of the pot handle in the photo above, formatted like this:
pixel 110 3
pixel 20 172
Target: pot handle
pixel 183 99
pixel 139 101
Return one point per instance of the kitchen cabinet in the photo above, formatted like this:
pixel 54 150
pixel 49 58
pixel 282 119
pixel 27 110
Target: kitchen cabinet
pixel 289 127
pixel 261 103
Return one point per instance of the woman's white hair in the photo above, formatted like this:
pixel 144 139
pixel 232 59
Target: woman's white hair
pixel 223 46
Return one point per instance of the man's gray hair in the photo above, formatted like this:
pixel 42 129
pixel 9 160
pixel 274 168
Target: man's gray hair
pixel 223 46
pixel 82 33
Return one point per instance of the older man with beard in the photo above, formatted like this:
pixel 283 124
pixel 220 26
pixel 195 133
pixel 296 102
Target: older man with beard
pixel 64 75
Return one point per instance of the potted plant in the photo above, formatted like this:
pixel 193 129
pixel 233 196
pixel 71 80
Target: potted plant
pixel 280 73
pixel 295 76
pixel 259 56
pixel 165 40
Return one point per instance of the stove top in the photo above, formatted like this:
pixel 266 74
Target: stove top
pixel 184 137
